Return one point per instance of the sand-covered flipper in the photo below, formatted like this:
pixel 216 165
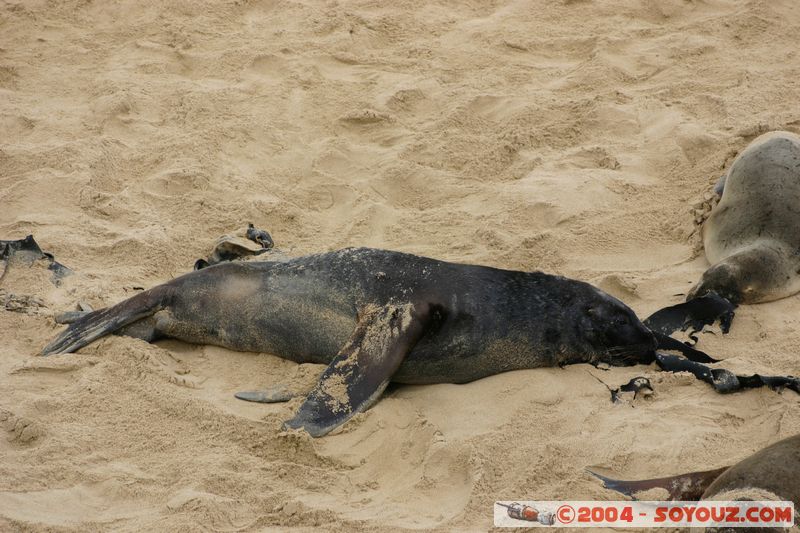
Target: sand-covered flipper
pixel 358 375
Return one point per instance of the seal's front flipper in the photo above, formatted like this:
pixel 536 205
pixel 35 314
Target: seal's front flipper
pixel 685 487
pixel 694 314
pixel 276 394
pixel 361 371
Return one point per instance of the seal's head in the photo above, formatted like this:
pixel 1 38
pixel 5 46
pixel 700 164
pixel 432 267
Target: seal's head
pixel 726 279
pixel 761 272
pixel 615 333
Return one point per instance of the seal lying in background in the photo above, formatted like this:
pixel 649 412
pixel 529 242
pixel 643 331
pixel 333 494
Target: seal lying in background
pixel 772 474
pixel 376 316
pixel 751 238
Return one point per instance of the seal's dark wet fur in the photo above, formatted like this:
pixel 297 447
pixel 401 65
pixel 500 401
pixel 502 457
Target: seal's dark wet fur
pixel 448 322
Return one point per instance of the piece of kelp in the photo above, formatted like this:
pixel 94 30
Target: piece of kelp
pixel 25 252
pixel 725 381
pixel 694 314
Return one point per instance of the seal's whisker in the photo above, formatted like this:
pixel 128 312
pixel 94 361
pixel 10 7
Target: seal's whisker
pixel 624 350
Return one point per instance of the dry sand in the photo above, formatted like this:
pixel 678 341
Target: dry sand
pixel 572 137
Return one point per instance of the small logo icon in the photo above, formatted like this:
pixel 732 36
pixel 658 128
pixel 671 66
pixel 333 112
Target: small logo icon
pixel 518 511
pixel 565 514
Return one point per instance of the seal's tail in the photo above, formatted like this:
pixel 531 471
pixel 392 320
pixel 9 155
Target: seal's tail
pixel 105 321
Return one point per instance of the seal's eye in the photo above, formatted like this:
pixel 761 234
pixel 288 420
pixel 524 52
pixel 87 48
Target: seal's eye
pixel 619 321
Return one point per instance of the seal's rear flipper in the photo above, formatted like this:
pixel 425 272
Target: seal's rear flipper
pixel 686 487
pixel 357 376
pixel 103 322
pixel 276 394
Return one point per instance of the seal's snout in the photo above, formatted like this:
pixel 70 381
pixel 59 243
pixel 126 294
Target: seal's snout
pixel 722 279
pixel 648 355
pixel 618 334
pixel 642 347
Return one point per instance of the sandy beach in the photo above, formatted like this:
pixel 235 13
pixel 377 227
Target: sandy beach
pixel 576 137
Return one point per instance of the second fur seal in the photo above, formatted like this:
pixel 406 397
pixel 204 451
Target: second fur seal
pixel 771 474
pixel 376 316
pixel 752 237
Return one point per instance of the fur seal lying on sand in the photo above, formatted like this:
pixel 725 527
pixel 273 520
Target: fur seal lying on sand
pixel 376 316
pixel 772 474
pixel 752 237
